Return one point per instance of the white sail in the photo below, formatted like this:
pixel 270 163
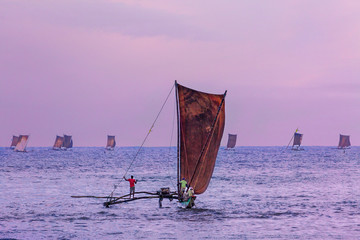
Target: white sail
pixel 21 145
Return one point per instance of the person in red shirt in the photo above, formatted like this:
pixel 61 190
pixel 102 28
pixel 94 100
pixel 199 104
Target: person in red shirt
pixel 132 182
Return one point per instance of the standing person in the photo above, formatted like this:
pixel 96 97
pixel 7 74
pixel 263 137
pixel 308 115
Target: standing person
pixel 191 192
pixel 183 184
pixel 132 182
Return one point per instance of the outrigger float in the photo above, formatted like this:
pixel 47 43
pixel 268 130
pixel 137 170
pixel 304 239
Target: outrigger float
pixel 200 127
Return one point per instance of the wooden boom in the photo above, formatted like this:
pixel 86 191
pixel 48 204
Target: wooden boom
pixel 160 195
pixel 125 198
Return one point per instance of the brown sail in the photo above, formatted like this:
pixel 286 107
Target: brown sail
pixel 110 142
pixel 231 141
pixel 201 121
pixel 58 142
pixel 14 141
pixel 68 143
pixel 297 139
pixel 344 141
pixel 21 145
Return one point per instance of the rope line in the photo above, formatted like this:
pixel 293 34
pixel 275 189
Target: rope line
pixel 142 144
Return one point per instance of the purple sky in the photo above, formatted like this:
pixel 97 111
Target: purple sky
pixel 92 68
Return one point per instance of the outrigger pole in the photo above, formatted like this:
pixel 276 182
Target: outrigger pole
pixel 163 193
pixel 145 195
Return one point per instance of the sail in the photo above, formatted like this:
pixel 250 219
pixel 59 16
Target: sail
pixel 21 145
pixel 231 141
pixel 58 142
pixel 68 143
pixel 297 139
pixel 344 141
pixel 201 121
pixel 110 142
pixel 14 141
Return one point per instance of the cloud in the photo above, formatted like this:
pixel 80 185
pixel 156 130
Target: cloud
pixel 127 19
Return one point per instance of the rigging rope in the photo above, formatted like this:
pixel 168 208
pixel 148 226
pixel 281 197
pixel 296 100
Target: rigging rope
pixel 142 144
pixel 172 133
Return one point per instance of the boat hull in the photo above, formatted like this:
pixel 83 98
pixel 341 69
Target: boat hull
pixel 188 203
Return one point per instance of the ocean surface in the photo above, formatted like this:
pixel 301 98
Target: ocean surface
pixel 255 193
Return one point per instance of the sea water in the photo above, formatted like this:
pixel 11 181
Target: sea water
pixel 255 193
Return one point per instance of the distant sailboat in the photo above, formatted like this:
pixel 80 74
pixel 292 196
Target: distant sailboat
pixel 111 143
pixel 68 142
pixel 231 141
pixel 59 141
pixel 344 142
pixel 21 144
pixel 297 141
pixel 14 141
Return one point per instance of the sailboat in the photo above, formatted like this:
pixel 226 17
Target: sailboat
pixel 344 142
pixel 68 142
pixel 297 142
pixel 231 141
pixel 201 122
pixel 111 143
pixel 14 141
pixel 59 141
pixel 21 144
pixel 200 127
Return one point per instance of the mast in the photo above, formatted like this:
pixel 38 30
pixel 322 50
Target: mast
pixel 178 137
pixel 292 137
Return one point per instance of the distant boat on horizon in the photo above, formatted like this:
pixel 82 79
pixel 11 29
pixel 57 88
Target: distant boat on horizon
pixel 14 141
pixel 297 142
pixel 344 142
pixel 59 141
pixel 21 144
pixel 111 143
pixel 63 143
pixel 68 142
pixel 231 141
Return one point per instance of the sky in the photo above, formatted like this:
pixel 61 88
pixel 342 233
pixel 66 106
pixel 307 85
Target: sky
pixel 93 68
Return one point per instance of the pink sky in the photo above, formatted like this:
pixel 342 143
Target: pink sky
pixel 92 68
